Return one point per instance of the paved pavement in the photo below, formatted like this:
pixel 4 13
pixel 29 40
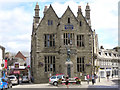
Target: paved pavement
pixel 104 83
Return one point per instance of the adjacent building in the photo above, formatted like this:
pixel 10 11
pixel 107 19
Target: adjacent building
pixel 2 54
pixel 108 62
pixel 61 44
pixel 17 64
pixel 95 53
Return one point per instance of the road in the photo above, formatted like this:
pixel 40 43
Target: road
pixel 112 83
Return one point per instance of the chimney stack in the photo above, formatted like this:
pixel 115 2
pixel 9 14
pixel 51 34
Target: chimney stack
pixel 45 9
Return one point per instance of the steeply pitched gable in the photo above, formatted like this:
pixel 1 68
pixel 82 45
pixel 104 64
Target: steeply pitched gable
pixel 69 10
pixel 20 55
pixel 48 11
pixel 81 16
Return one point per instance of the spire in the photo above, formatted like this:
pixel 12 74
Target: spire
pixel 87 14
pixel 36 17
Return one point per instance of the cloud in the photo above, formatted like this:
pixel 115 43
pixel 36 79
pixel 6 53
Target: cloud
pixel 16 20
pixel 60 7
pixel 15 28
pixel 24 0
pixel 105 14
pixel 15 47
pixel 104 18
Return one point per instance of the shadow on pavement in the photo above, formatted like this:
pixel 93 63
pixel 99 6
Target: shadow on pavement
pixel 116 81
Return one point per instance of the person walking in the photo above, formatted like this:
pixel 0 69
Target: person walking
pixel 112 75
pixel 67 81
pixel 20 80
pixel 107 77
pixel 93 79
pixel 88 78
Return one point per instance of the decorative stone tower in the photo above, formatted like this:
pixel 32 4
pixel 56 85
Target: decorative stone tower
pixel 87 14
pixel 36 21
pixel 36 17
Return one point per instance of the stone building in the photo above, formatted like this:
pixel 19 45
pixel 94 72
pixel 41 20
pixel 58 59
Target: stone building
pixel 61 44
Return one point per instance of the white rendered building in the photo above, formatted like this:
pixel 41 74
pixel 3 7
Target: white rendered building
pixel 108 62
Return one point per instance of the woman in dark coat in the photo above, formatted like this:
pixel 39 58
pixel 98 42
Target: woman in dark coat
pixel 67 81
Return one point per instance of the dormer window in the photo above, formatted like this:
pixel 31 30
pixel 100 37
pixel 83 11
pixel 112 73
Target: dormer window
pixel 109 54
pixel 106 54
pixel 68 20
pixel 114 55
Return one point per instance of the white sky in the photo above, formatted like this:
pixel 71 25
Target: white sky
pixel 16 17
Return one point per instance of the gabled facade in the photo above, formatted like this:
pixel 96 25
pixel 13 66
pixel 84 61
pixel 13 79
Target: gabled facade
pixel 20 55
pixel 53 37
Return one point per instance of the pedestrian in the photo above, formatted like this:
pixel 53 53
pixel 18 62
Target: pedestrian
pixel 93 79
pixel 88 78
pixel 20 80
pixel 112 75
pixel 107 77
pixel 32 79
pixel 67 81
